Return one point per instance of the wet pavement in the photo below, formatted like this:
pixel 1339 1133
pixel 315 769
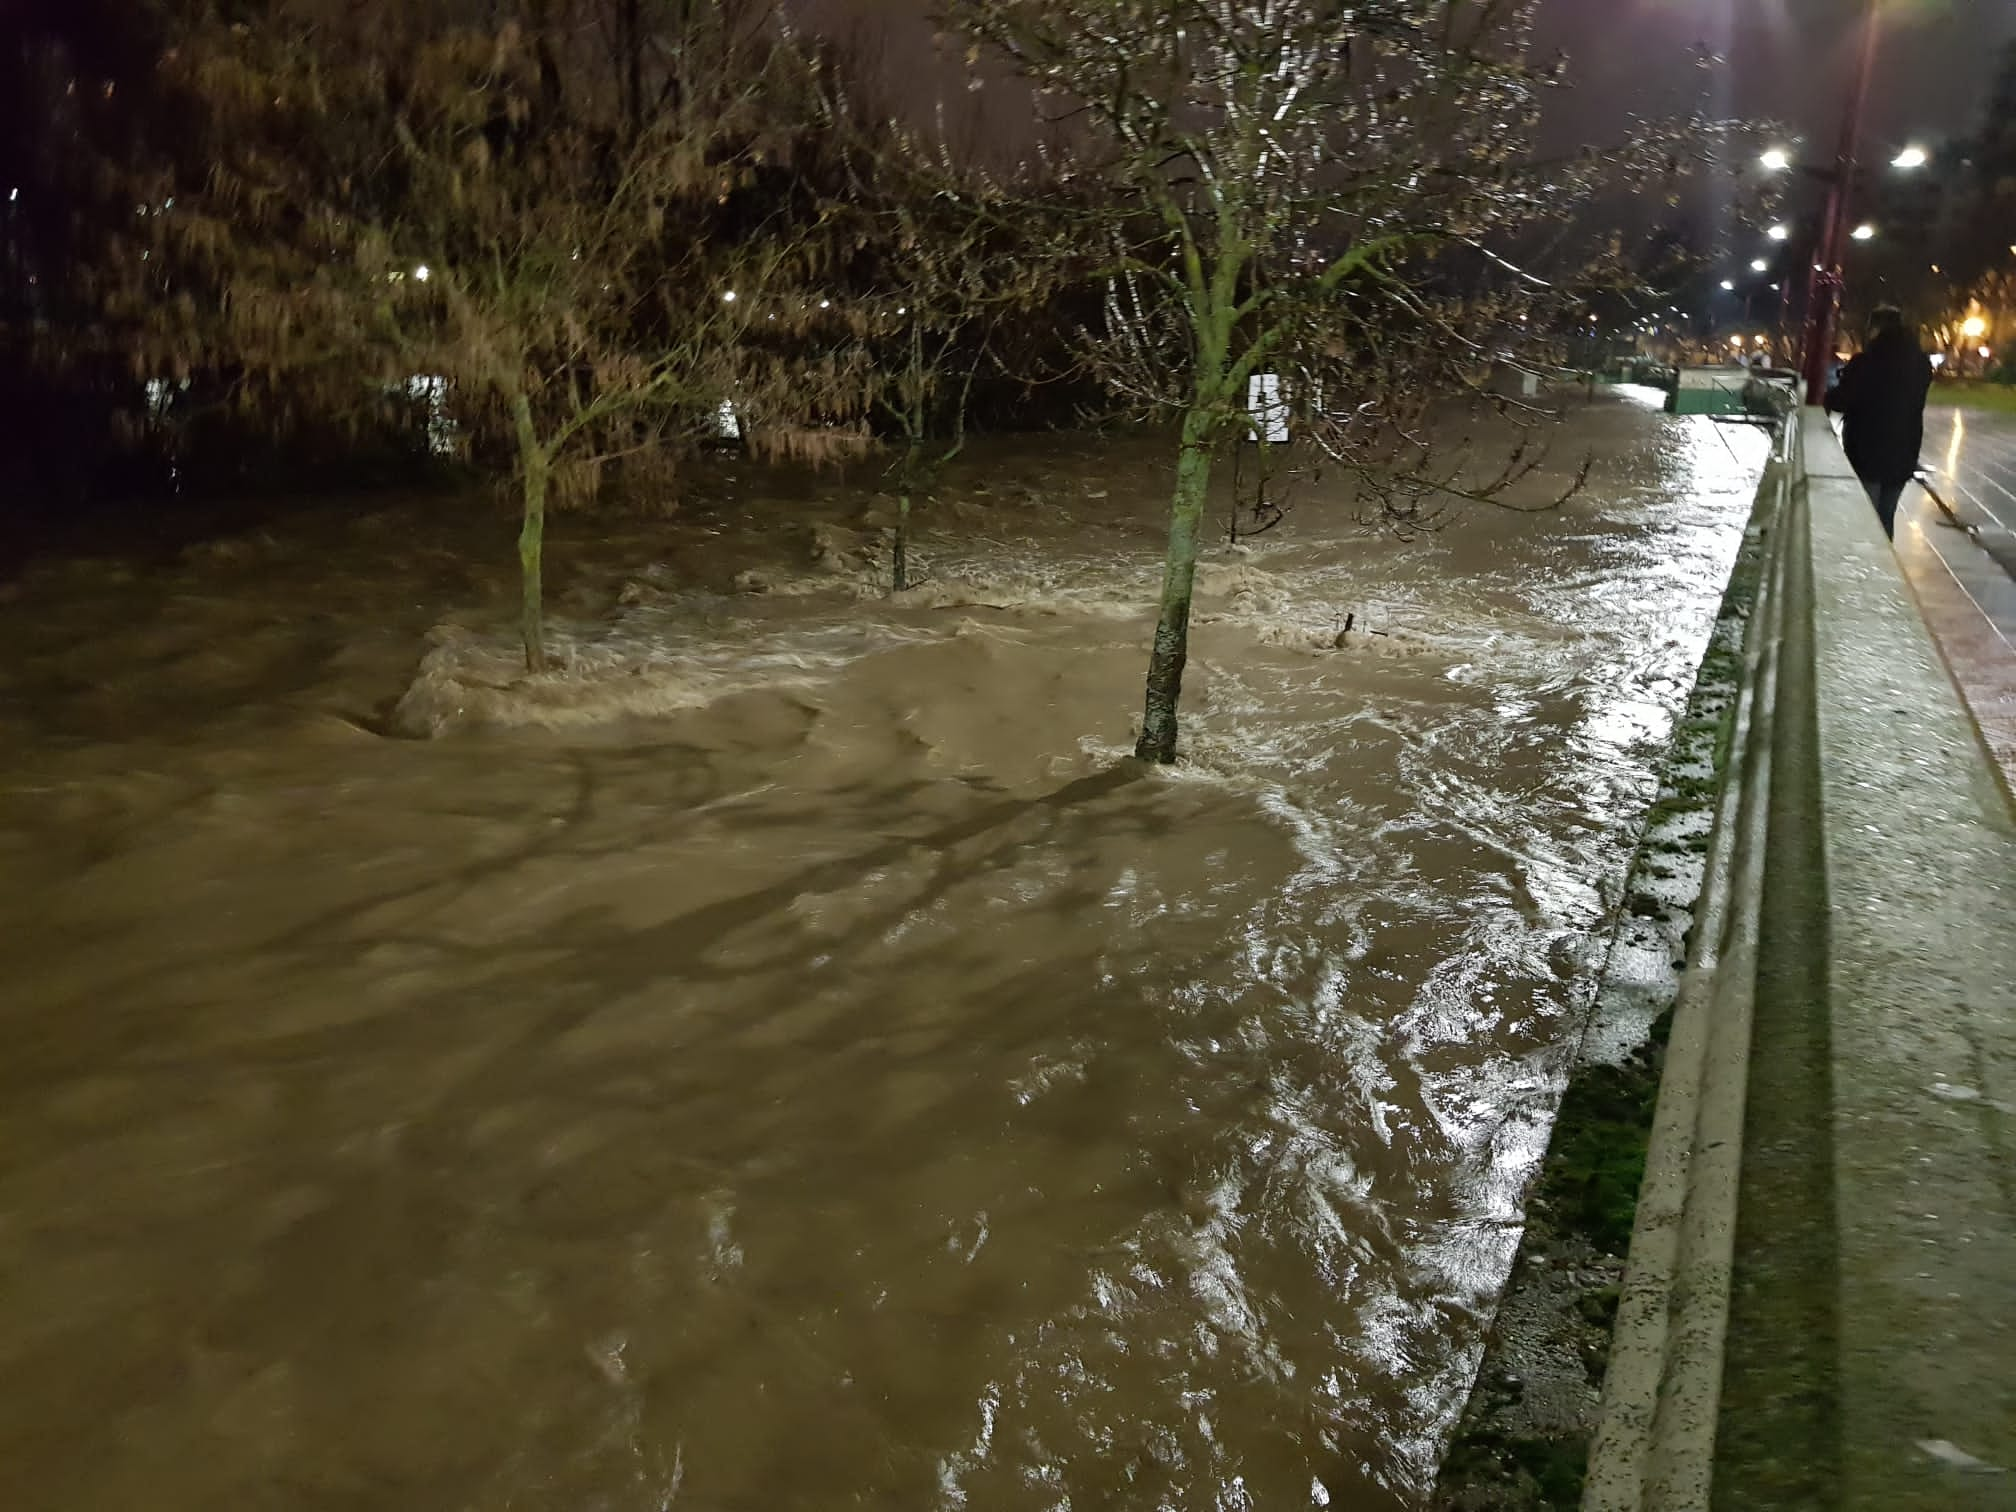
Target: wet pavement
pixel 1959 553
pixel 1872 1317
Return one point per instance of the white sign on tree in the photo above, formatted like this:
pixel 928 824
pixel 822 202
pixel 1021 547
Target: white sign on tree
pixel 1268 409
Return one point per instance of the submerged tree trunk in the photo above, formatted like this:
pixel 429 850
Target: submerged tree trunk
pixel 1179 571
pixel 900 552
pixel 532 466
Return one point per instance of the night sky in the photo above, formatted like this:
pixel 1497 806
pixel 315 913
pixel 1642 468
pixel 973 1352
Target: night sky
pixel 1784 59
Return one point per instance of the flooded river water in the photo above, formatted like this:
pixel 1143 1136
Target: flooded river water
pixel 789 1059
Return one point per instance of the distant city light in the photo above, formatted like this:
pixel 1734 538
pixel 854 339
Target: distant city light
pixel 728 297
pixel 1592 320
pixel 1736 341
pixel 1777 160
pixel 1728 285
pixel 1760 341
pixel 825 304
pixel 423 272
pixel 1758 265
pixel 1863 232
pixel 1911 157
pixel 1775 288
pixel 1779 233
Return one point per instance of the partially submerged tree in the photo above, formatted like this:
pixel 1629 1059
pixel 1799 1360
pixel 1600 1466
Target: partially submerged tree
pixel 547 224
pixel 1302 188
pixel 951 264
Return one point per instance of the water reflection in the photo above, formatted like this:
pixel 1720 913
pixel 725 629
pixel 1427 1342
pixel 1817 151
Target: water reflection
pixel 849 1084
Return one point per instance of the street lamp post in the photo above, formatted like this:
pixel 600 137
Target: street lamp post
pixel 1823 288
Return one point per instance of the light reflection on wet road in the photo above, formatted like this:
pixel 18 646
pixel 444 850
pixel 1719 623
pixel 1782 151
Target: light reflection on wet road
pixel 1965 577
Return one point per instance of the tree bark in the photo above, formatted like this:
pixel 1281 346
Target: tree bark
pixel 900 551
pixel 532 467
pixel 900 554
pixel 1179 571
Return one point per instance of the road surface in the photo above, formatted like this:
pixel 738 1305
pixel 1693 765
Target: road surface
pixel 1962 564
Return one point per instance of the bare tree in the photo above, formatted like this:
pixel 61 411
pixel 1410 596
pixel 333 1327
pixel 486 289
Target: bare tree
pixel 953 258
pixel 557 231
pixel 1334 194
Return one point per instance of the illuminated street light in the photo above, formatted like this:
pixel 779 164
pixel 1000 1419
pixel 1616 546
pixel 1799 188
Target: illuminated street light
pixel 1910 157
pixel 1986 354
pixel 1779 233
pixel 1728 286
pixel 1974 328
pixel 1863 232
pixel 423 272
pixel 729 297
pixel 1758 265
pixel 1736 342
pixel 1777 160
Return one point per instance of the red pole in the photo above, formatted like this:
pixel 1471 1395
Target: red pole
pixel 1823 288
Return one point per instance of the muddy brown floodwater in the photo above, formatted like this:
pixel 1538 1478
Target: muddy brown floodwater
pixel 788 1059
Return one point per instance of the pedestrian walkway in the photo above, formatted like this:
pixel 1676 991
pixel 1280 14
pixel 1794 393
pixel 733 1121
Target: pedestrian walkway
pixel 1958 551
pixel 1819 1312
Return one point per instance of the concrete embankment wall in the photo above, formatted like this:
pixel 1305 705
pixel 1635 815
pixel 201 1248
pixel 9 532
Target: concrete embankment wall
pixel 1819 1309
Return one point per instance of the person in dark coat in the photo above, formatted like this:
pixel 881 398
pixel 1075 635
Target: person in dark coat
pixel 1880 396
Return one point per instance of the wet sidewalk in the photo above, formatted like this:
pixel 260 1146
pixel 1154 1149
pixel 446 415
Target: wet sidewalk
pixel 1958 551
pixel 1872 1324
pixel 1819 1310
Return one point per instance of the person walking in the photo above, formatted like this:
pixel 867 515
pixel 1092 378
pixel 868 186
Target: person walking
pixel 1880 396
